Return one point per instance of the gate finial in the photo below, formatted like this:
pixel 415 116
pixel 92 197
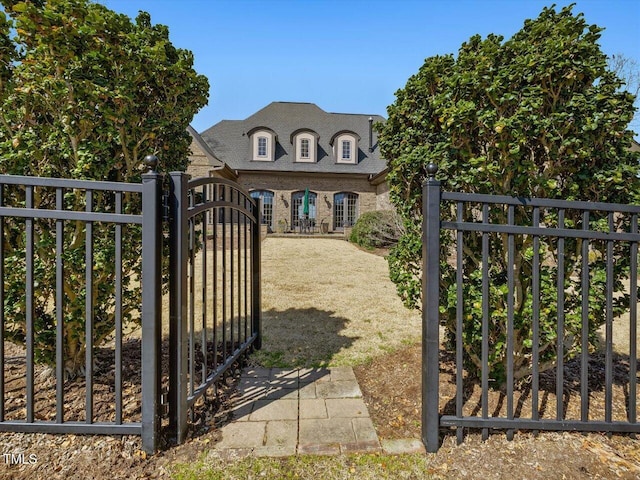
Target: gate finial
pixel 151 161
pixel 432 169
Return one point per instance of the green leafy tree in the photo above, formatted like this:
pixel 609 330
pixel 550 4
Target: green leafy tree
pixel 538 115
pixel 85 93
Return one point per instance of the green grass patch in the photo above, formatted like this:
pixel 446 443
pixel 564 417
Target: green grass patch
pixel 356 466
pixel 271 359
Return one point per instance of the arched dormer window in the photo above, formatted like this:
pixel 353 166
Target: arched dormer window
pixel 305 145
pixel 263 144
pixel 345 147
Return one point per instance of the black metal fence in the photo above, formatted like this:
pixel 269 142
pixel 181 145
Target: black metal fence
pixel 598 233
pixel 21 405
pixel 214 299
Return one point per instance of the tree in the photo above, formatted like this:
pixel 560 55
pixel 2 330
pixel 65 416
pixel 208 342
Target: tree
pixel 538 115
pixel 86 93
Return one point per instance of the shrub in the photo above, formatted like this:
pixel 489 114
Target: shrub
pixel 538 115
pixel 377 229
pixel 84 93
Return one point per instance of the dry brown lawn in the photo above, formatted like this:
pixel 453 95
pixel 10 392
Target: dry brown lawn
pixel 326 302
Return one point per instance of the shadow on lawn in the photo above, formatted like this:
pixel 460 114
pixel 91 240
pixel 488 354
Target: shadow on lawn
pixel 301 337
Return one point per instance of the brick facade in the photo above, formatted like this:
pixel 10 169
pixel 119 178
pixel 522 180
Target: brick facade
pixel 324 186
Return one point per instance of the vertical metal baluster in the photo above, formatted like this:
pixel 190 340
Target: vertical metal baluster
pixel 633 324
pixel 459 321
pixel 246 323
pixel 89 310
pixel 535 347
pixel 59 309
pixel 192 296
pixel 256 288
pixel 203 276
pixel 510 316
pixel 560 311
pixel 231 283
pixel 29 303
pixel 224 277
pixel 239 275
pixel 608 402
pixel 215 279
pixel 485 321
pixel 119 333
pixel 584 356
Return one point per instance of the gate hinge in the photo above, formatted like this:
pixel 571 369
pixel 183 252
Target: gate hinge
pixel 165 206
pixel 164 401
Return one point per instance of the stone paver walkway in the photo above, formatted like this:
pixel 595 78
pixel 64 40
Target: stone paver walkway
pixel 282 412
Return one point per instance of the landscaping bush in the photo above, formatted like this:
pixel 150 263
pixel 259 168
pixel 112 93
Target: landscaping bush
pixel 377 229
pixel 538 115
pixel 85 93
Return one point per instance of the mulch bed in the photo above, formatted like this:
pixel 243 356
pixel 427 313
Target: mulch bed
pixel 48 456
pixel 391 386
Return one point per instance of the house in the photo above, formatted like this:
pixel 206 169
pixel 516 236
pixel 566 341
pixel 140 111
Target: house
pixel 287 149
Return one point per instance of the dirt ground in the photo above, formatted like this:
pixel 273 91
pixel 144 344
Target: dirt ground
pixel 392 391
pixel 360 333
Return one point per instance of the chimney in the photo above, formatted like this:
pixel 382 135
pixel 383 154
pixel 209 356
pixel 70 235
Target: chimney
pixel 370 134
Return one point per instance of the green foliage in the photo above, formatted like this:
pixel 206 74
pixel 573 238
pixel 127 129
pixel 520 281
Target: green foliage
pixel 376 229
pixel 85 93
pixel 538 115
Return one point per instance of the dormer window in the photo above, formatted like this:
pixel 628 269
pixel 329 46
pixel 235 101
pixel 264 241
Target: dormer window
pixel 263 144
pixel 305 145
pixel 345 147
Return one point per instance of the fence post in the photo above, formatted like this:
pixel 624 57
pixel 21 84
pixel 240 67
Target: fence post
pixel 178 205
pixel 256 292
pixel 430 310
pixel 151 303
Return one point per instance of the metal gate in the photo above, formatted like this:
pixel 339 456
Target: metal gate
pixel 214 297
pixel 214 287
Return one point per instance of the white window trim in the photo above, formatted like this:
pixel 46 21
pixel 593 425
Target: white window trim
pixel 339 149
pixel 255 146
pixel 312 147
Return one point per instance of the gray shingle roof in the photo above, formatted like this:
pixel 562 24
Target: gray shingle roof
pixel 229 141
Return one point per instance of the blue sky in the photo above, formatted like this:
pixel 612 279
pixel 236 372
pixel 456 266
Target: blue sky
pixel 344 55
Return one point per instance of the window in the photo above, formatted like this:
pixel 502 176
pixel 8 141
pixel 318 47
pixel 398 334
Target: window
pixel 346 150
pixel 304 148
pixel 345 210
pixel 266 206
pixel 262 146
pixel 297 209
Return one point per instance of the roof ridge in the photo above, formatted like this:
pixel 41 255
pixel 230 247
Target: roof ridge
pixel 302 103
pixel 358 114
